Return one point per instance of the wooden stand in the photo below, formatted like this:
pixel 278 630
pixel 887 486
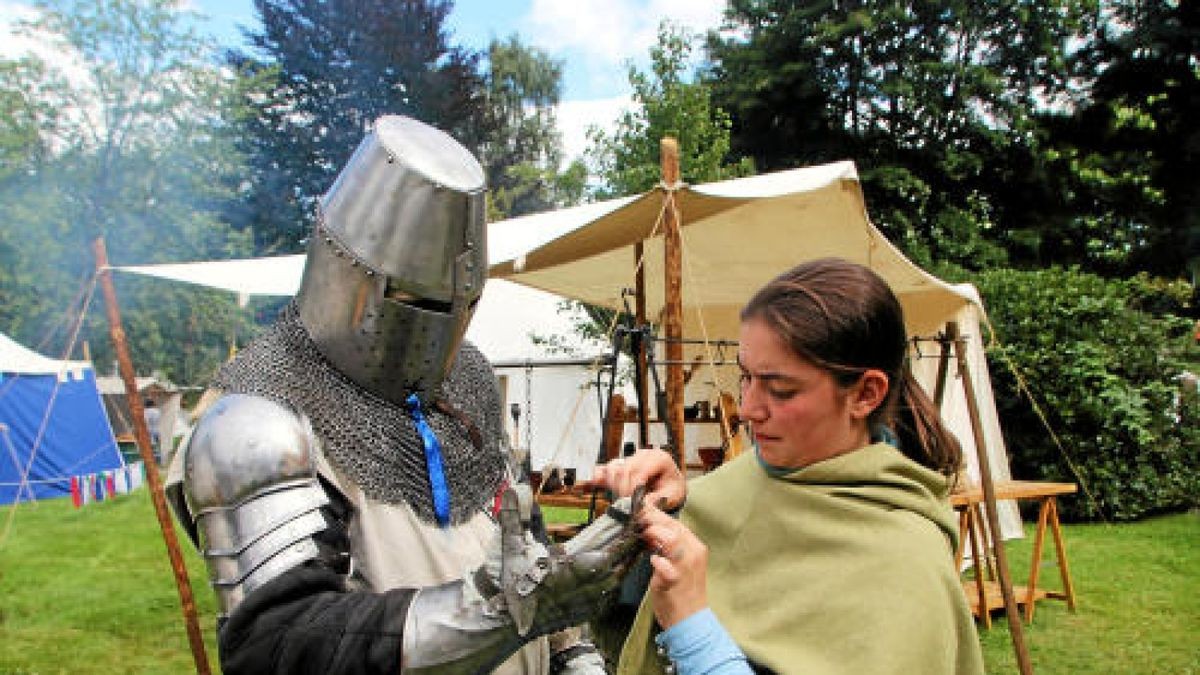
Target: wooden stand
pixel 983 593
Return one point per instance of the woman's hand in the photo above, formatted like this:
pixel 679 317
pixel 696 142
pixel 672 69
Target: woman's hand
pixel 665 484
pixel 680 562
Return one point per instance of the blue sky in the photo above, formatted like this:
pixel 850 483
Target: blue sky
pixel 594 39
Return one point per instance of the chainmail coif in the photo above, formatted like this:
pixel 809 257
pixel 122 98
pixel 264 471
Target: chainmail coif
pixel 372 441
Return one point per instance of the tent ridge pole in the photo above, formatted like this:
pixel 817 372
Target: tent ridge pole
pixel 673 297
pixel 142 433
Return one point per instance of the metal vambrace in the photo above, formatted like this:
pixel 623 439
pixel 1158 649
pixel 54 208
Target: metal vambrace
pixel 524 590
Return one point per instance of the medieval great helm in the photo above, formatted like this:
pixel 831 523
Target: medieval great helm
pixel 397 260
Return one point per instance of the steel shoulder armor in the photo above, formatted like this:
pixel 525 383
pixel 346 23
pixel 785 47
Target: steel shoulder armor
pixel 252 493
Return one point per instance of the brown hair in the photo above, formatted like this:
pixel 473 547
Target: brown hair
pixel 842 317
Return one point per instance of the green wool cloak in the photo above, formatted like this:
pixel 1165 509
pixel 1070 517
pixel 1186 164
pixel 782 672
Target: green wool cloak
pixel 844 566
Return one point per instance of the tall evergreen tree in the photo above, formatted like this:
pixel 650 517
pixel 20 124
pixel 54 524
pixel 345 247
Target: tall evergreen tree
pixel 1123 163
pixel 323 71
pixel 925 96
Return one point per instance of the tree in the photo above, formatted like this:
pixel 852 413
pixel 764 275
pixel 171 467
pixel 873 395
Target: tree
pixel 26 116
pixel 1124 161
pixel 125 140
pixel 522 154
pixel 323 72
pixel 665 104
pixel 928 98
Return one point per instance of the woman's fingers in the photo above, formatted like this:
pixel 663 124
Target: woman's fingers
pixel 666 574
pixel 665 536
pixel 650 467
pixel 662 540
pixel 680 562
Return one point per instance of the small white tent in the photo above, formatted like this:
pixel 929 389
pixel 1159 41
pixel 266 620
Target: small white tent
pixel 546 370
pixel 544 367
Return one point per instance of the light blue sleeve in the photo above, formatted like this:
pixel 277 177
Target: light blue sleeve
pixel 699 645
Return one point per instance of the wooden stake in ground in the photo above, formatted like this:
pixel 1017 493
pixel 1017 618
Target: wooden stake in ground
pixel 989 503
pixel 142 434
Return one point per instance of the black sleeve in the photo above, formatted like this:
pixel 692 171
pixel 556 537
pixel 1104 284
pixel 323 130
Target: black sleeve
pixel 305 621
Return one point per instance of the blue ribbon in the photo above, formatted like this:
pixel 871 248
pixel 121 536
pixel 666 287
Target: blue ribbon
pixel 433 462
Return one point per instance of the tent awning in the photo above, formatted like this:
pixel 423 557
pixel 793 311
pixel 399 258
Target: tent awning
pixel 737 235
pixel 18 359
pixel 271 275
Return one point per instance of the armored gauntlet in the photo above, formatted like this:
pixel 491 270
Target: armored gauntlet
pixel 525 589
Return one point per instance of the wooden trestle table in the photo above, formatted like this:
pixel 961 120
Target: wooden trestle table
pixel 985 595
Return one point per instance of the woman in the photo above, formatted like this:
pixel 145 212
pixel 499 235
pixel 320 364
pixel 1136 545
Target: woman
pixel 830 548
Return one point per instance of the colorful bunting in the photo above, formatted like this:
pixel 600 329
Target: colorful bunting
pixel 97 487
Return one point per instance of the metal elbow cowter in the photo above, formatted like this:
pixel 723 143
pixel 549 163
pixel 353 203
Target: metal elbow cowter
pixel 251 488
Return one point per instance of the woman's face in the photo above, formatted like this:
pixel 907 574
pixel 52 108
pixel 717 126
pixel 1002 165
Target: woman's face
pixel 798 414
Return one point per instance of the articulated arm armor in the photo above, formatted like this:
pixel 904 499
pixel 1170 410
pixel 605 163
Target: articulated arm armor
pixel 252 494
pixel 525 589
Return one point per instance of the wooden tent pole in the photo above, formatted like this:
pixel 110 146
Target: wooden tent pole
pixel 639 321
pixel 673 296
pixel 989 504
pixel 142 434
pixel 939 388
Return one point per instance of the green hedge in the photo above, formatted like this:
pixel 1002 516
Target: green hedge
pixel 1101 358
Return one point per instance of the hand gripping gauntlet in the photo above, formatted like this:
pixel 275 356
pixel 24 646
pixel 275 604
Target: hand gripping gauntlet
pixel 524 590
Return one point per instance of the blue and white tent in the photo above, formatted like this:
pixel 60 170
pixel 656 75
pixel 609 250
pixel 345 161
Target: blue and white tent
pixel 52 425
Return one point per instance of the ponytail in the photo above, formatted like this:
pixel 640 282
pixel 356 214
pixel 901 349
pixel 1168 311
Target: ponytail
pixel 918 425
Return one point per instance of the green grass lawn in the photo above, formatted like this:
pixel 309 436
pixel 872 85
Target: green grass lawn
pixel 91 591
pixel 1137 590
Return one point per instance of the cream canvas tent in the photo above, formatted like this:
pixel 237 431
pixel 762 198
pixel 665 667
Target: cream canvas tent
pixel 736 235
pixel 545 369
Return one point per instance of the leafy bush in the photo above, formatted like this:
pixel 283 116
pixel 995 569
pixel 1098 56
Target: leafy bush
pixel 1104 371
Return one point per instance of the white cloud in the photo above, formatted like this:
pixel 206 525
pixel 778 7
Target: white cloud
pixel 576 117
pixel 613 31
pixel 598 39
pixel 13 45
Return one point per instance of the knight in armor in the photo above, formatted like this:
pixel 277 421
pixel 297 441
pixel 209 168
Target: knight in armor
pixel 351 488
